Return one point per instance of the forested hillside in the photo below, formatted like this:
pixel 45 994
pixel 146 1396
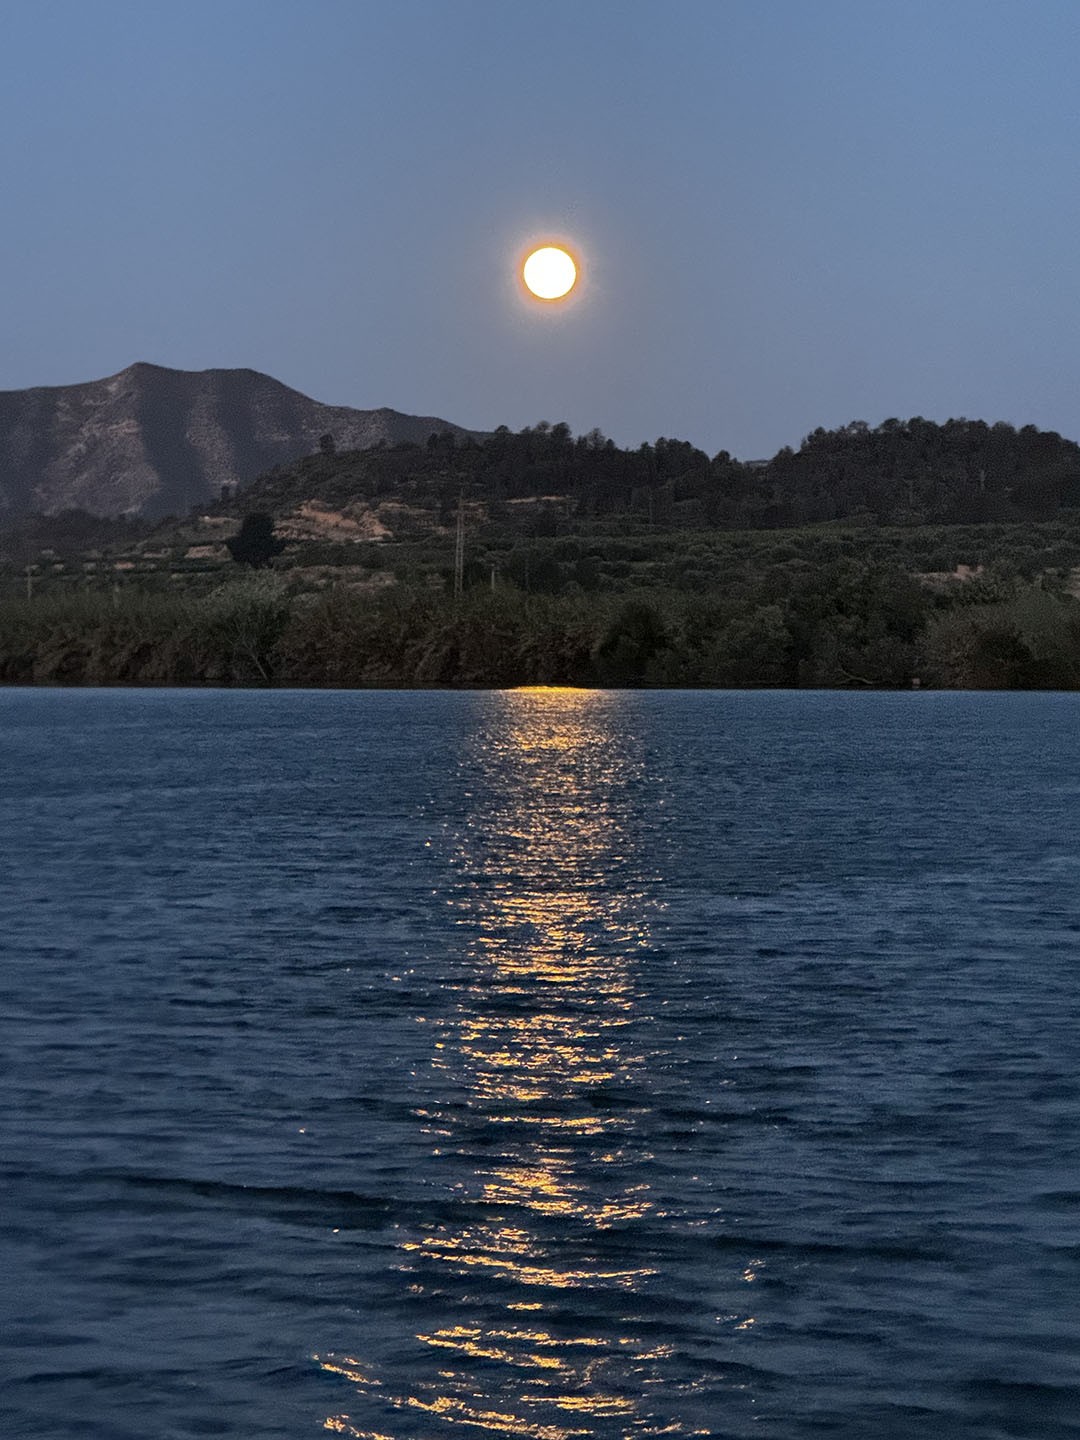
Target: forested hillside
pixel 912 553
pixel 912 472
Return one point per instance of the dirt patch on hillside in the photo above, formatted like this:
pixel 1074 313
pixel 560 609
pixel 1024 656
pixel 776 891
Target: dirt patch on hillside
pixel 314 520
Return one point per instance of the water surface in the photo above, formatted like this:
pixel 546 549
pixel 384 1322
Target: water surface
pixel 539 1064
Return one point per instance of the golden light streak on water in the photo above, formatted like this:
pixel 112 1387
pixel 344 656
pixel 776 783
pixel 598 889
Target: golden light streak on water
pixel 544 1019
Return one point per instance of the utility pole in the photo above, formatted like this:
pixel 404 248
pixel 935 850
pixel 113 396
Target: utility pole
pixel 459 549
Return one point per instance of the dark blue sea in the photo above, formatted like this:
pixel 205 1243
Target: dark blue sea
pixel 539 1064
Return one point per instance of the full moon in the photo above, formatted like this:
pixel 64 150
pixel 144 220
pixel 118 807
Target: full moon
pixel 549 273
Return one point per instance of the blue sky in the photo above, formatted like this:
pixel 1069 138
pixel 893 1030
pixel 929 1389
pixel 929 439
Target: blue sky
pixel 791 214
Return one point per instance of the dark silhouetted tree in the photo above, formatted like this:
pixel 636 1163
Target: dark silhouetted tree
pixel 256 544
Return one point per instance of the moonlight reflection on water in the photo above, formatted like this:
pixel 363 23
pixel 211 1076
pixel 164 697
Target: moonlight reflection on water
pixel 540 1068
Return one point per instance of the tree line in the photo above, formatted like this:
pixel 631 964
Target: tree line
pixel 912 472
pixel 845 625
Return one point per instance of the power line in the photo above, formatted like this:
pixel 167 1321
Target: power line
pixel 459 549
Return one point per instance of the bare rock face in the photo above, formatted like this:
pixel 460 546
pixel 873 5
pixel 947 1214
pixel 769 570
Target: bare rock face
pixel 153 442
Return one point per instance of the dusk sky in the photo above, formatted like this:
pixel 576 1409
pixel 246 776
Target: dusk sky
pixel 791 213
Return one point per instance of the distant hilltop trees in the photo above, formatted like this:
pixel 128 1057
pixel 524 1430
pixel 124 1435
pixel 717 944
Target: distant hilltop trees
pixel 916 472
pixel 902 472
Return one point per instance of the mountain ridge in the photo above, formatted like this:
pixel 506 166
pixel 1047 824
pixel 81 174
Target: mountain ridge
pixel 151 441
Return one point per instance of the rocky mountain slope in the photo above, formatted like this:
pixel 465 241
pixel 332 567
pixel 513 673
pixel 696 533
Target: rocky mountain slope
pixel 152 441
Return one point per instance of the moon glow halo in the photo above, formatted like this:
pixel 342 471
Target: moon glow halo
pixel 549 273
